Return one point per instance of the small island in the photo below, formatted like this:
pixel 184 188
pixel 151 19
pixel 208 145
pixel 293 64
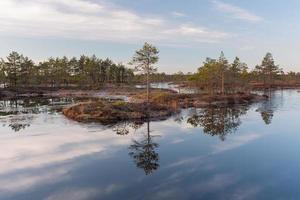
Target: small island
pixel 161 106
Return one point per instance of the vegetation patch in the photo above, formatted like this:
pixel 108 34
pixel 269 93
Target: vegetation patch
pixel 199 100
pixel 111 112
pixel 161 106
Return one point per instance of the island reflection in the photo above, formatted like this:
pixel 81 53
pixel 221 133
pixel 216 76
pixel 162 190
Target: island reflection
pixel 217 120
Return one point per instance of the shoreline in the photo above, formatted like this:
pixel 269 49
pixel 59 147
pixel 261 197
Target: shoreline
pixel 111 90
pixel 114 104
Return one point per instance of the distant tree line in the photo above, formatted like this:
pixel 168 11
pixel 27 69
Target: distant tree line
pixel 220 76
pixel 17 70
pixel 214 76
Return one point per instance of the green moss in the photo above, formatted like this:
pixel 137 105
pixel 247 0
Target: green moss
pixel 119 103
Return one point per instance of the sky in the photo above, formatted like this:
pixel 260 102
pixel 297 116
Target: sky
pixel 185 31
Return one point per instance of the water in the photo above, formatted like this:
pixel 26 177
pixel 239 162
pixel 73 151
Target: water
pixel 241 152
pixel 170 86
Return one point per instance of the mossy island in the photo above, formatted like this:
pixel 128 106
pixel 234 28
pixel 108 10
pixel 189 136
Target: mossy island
pixel 161 106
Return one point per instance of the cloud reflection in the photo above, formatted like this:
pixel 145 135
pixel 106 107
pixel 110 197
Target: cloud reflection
pixel 43 154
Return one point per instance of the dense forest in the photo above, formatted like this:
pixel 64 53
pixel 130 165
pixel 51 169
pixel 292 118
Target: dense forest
pixel 20 71
pixel 17 70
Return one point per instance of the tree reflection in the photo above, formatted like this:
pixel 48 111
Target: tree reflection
pixel 18 113
pixel 267 116
pixel 17 127
pixel 218 120
pixel 144 153
pixel 17 123
pixel 123 128
pixel 267 108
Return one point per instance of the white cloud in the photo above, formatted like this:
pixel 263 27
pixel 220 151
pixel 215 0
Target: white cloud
pixel 178 14
pixel 198 34
pixel 215 183
pixel 235 142
pixel 82 19
pixel 236 12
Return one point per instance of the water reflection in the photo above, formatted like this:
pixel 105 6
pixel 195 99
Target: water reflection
pixel 18 114
pixel 267 116
pixel 17 126
pixel 267 108
pixel 18 122
pixel 217 120
pixel 62 159
pixel 144 153
pixel 123 128
pixel 31 105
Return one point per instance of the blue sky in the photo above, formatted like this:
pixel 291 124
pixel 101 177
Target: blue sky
pixel 185 31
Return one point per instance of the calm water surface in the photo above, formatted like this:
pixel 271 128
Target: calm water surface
pixel 241 152
pixel 170 86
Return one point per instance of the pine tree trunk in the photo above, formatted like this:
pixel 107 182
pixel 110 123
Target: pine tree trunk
pixel 148 130
pixel 222 91
pixel 148 87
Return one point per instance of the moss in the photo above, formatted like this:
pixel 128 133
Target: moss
pixel 119 103
pixel 107 112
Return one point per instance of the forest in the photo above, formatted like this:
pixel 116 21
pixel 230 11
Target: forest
pixel 20 71
pixel 220 76
pixel 214 75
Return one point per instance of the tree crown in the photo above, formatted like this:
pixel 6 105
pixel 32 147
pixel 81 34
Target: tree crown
pixel 145 58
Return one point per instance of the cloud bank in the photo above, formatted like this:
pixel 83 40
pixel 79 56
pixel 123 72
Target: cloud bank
pixel 86 20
